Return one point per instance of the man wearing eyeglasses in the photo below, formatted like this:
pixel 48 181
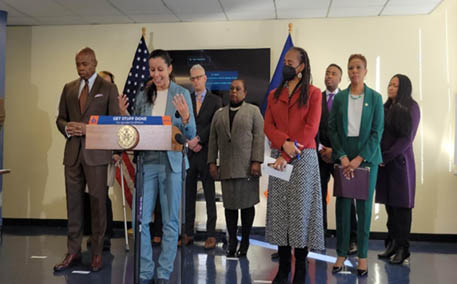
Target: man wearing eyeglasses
pixel 204 105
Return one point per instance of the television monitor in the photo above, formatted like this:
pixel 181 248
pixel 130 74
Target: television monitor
pixel 222 66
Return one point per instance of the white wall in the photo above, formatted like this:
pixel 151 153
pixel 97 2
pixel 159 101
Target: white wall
pixel 40 60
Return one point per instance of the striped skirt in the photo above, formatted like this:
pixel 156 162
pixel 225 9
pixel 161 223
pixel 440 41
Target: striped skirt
pixel 294 208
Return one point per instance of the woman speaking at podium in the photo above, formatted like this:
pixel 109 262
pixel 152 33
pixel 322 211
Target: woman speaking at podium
pixel 162 169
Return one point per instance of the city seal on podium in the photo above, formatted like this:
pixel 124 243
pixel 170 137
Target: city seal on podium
pixel 128 137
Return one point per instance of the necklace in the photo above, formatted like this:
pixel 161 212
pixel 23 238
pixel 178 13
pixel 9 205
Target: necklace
pixel 356 97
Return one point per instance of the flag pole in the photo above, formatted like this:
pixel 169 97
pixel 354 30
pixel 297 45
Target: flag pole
pixel 143 31
pixel 290 28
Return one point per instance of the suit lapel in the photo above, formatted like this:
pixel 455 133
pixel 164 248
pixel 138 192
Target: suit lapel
pixel 94 90
pixel 74 96
pixel 205 102
pixel 345 98
pixel 366 109
pixel 324 105
pixel 193 98
pixel 226 120
pixel 170 108
pixel 294 98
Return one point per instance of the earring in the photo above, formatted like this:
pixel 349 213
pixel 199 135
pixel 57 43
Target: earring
pixel 299 75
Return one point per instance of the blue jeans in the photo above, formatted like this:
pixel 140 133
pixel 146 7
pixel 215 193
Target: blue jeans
pixel 159 179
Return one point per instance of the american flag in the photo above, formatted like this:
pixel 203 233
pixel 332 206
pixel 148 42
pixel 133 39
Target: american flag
pixel 138 74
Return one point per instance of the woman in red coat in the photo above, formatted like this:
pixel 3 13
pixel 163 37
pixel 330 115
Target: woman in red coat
pixel 294 208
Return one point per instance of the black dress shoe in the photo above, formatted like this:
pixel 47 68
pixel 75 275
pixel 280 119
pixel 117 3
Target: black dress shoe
pixel 400 256
pixel 390 250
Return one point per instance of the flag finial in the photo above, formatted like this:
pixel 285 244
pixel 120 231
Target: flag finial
pixel 143 31
pixel 290 27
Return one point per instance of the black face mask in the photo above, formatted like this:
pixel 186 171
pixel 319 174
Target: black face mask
pixel 288 72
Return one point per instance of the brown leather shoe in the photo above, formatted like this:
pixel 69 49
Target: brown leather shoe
pixel 156 241
pixel 210 243
pixel 187 240
pixel 68 261
pixel 97 263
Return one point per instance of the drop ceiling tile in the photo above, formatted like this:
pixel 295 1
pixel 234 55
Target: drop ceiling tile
pixel 355 12
pixel 302 13
pixel 141 7
pixel 154 18
pixel 38 8
pixel 21 21
pixel 302 4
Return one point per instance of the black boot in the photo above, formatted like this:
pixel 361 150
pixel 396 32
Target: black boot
pixel 282 277
pixel 390 250
pixel 231 218
pixel 401 255
pixel 300 265
pixel 247 218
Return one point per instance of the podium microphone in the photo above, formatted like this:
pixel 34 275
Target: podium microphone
pixel 181 139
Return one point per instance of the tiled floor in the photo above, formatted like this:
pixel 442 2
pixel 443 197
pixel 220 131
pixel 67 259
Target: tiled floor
pixel 28 254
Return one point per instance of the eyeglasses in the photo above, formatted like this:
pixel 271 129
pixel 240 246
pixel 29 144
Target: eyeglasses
pixel 232 88
pixel 198 77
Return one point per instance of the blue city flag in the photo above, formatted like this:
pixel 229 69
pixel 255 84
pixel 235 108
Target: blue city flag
pixel 138 74
pixel 277 76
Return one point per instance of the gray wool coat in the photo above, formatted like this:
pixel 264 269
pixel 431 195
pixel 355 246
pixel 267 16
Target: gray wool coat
pixel 239 147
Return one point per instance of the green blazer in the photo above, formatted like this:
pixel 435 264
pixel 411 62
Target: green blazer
pixel 371 126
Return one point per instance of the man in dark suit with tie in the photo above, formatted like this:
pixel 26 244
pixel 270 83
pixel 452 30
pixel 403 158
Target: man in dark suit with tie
pixel 88 95
pixel 333 75
pixel 205 105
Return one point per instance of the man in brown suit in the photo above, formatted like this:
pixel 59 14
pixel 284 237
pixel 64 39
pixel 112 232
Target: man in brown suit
pixel 88 95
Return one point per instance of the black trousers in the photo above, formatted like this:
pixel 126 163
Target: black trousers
pixel 399 224
pixel 198 169
pixel 326 170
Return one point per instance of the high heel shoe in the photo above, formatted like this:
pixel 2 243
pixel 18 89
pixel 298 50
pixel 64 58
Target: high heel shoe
pixel 400 256
pixel 336 268
pixel 362 272
pixel 390 250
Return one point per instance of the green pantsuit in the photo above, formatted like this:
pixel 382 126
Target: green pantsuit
pixel 363 208
pixel 366 145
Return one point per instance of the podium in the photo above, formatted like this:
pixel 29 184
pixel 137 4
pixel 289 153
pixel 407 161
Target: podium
pixel 138 134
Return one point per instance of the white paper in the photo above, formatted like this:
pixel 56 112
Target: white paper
pixel 284 175
pixel 80 272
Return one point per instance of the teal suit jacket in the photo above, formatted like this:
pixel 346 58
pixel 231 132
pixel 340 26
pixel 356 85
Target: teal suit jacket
pixel 144 108
pixel 371 126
